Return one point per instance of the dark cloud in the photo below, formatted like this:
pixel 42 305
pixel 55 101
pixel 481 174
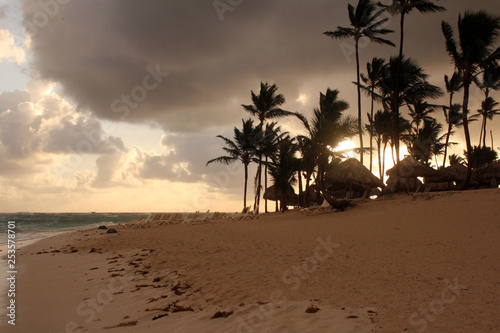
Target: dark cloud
pixel 103 52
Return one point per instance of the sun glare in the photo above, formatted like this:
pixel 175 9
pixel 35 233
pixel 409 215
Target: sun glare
pixel 346 147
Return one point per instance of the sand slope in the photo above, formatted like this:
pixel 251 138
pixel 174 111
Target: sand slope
pixel 393 265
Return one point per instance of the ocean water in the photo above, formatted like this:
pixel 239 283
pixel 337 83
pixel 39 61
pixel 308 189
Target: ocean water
pixel 30 226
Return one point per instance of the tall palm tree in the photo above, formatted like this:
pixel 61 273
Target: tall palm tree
pixel 404 7
pixel 241 148
pixel 487 111
pixel 477 32
pixel 283 168
pixel 266 105
pixel 365 22
pixel 327 129
pixel 490 81
pixel 452 113
pixel 374 73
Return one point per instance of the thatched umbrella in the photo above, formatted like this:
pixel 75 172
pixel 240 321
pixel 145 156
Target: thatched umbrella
pixel 411 168
pixel 352 173
pixel 453 173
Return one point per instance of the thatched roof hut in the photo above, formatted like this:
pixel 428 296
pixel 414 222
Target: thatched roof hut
pixel 453 173
pixel 352 172
pixel 411 168
pixel 272 194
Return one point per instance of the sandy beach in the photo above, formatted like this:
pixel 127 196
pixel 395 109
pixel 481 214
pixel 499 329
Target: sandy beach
pixel 399 264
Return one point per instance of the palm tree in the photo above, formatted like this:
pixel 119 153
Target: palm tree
pixel 272 135
pixel 425 142
pixel 421 111
pixel 404 7
pixel 306 149
pixel 413 88
pixel 456 159
pixel 265 105
pixel 477 32
pixel 381 123
pixel 241 148
pixel 364 23
pixel 283 168
pixel 374 73
pixel 488 111
pixel 328 128
pixel 490 81
pixel 452 114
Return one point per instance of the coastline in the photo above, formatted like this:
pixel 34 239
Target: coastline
pixel 389 265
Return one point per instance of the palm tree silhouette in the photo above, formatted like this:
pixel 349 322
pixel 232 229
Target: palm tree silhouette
pixel 490 81
pixel 241 148
pixel 271 137
pixel 364 23
pixel 404 7
pixel 488 110
pixel 381 128
pixel 452 114
pixel 413 88
pixel 283 168
pixel 421 111
pixel 265 105
pixel 374 73
pixel 327 129
pixel 425 142
pixel 477 32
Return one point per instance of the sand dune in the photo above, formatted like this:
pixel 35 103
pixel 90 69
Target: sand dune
pixel 391 265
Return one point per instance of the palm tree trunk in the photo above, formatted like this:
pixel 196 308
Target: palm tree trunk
pixel 245 188
pixel 259 185
pixel 380 171
pixel 481 132
pixel 361 153
pixel 395 120
pixel 465 120
pixel 301 196
pixel 383 159
pixel 265 184
pixel 484 131
pixel 450 126
pixel 371 131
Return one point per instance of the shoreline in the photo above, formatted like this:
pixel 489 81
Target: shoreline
pixel 388 266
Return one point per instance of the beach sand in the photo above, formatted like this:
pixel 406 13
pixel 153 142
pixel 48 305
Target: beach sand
pixel 399 264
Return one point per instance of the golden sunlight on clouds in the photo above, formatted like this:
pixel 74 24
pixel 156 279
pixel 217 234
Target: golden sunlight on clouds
pixel 9 49
pixel 302 99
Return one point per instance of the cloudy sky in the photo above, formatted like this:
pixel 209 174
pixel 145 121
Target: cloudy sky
pixel 114 105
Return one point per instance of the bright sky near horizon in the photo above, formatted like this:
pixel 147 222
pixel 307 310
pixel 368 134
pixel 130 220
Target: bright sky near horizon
pixel 115 105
